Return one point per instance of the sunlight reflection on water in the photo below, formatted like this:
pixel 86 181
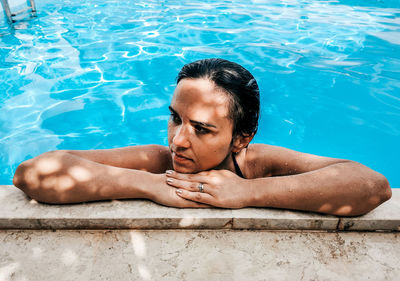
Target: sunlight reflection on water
pixel 100 74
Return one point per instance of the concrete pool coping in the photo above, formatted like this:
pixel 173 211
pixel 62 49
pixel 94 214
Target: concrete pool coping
pixel 19 212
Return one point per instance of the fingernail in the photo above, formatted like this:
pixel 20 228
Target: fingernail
pixel 168 172
pixel 179 191
pixel 170 180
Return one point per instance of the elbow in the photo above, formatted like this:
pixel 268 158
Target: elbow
pixel 371 192
pixel 23 176
pixel 378 191
pixel 39 180
pixel 26 179
pixel 383 189
pixel 29 172
pixel 41 194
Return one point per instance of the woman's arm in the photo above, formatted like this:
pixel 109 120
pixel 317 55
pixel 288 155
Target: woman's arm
pixel 81 176
pixel 151 158
pixel 63 177
pixel 315 183
pixel 282 178
pixel 345 189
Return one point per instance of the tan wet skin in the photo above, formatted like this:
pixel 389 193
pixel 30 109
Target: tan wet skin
pixel 200 147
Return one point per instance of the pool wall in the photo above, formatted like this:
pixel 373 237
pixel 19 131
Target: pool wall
pixel 141 240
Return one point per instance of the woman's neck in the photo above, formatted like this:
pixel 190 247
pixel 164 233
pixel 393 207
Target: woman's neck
pixel 227 163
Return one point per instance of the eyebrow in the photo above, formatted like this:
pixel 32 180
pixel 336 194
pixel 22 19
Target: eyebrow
pixel 194 121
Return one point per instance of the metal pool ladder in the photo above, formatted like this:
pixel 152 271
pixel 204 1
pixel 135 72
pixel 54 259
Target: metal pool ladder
pixel 10 15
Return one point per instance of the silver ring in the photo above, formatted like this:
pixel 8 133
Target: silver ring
pixel 201 187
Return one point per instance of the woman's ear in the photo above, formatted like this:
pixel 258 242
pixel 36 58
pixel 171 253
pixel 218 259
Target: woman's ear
pixel 241 141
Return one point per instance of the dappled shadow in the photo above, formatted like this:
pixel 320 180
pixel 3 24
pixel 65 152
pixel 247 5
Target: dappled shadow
pixel 61 177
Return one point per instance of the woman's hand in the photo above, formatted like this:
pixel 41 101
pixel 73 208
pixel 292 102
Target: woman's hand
pixel 221 188
pixel 164 194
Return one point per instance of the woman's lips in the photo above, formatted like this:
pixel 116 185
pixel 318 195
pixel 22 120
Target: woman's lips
pixel 180 158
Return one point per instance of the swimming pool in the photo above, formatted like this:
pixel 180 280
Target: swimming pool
pixel 99 74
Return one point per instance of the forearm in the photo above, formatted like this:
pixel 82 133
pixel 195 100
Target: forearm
pixel 341 189
pixel 60 177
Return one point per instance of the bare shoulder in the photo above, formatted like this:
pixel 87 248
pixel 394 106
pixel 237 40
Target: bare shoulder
pixel 269 160
pixel 258 163
pixel 152 158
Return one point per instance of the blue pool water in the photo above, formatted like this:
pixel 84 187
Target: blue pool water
pixel 99 74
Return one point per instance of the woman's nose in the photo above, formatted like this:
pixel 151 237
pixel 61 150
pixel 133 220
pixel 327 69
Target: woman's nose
pixel 181 138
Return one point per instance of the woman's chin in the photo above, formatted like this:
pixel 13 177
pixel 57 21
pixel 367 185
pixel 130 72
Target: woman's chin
pixel 183 169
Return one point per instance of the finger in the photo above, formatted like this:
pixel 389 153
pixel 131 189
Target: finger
pixel 192 204
pixel 186 203
pixel 199 177
pixel 183 184
pixel 195 196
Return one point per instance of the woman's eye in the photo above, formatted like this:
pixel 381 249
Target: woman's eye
pixel 175 118
pixel 201 129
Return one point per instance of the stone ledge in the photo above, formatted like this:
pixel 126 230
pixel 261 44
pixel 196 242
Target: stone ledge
pixel 19 212
pixel 169 255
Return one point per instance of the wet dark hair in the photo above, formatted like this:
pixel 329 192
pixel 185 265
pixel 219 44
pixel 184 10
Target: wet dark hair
pixel 238 83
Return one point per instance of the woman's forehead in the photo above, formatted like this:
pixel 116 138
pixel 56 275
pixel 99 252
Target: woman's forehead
pixel 200 98
pixel 200 91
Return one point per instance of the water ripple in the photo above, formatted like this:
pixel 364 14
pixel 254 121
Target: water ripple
pixel 99 74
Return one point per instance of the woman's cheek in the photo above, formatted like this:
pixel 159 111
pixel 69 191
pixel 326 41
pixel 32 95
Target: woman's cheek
pixel 211 159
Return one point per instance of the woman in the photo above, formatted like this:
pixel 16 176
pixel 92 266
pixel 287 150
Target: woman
pixel 209 162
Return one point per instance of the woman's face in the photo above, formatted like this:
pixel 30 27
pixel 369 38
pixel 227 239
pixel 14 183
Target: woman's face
pixel 199 129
